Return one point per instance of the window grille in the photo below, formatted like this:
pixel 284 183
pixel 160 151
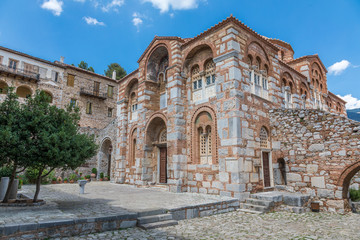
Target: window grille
pixel 264 138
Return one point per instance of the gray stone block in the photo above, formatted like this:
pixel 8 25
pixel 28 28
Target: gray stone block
pixel 128 224
pixel 297 200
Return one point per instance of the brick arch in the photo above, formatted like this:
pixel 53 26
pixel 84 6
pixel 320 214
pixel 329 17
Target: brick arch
pixel 256 55
pixel 130 154
pixel 153 116
pixel 198 46
pixel 197 112
pixel 346 176
pixel 153 50
pixel 289 78
pixel 129 86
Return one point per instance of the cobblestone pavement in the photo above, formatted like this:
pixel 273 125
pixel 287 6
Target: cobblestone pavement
pixel 63 201
pixel 238 225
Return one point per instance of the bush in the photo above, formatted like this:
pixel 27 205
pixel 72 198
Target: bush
pixel 5 172
pixel 101 175
pixel 73 177
pixel 94 171
pixel 354 195
pixel 65 179
pixel 87 177
pixel 31 175
pixel 53 179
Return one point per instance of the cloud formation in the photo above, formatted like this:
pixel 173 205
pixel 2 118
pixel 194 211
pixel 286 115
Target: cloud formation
pixel 93 21
pixel 351 102
pixel 137 21
pixel 165 5
pixel 113 5
pixel 338 67
pixel 55 6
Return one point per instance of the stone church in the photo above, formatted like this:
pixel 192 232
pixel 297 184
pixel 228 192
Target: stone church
pixel 205 115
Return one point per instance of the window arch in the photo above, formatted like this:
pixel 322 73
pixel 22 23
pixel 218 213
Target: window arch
pixel 258 78
pixel 133 146
pixel 23 92
pixel 204 139
pixel 264 138
pixel 49 95
pixel 133 106
pixel 203 84
pixel 3 87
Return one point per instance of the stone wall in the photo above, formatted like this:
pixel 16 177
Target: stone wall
pixel 321 151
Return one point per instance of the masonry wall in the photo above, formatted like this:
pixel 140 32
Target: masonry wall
pixel 321 151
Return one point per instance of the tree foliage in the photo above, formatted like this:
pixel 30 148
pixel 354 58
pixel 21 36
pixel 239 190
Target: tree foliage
pixel 85 66
pixel 14 137
pixel 120 71
pixel 42 137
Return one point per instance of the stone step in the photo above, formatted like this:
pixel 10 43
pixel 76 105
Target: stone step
pixel 151 212
pixel 249 211
pixel 154 218
pixel 260 202
pixel 158 224
pixel 257 208
pixel 268 196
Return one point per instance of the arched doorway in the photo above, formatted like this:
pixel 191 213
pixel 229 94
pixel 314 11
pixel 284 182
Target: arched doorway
pixel 346 177
pixel 156 147
pixel 105 154
pixel 280 172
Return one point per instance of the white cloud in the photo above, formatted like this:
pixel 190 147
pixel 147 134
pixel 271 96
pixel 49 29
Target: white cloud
pixel 93 21
pixel 113 5
pixel 137 19
pixel 338 67
pixel 165 5
pixel 351 102
pixel 55 6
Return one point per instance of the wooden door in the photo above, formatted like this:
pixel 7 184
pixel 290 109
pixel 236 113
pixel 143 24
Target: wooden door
pixel 163 165
pixel 266 169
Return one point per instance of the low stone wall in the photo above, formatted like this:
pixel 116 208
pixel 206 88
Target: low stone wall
pixel 67 228
pixel 321 151
pixel 203 210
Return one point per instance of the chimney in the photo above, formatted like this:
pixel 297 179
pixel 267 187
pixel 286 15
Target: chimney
pixel 62 59
pixel 114 75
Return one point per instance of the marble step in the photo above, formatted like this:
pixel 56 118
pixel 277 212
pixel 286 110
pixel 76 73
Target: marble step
pixel 257 208
pixel 154 218
pixel 158 224
pixel 260 202
pixel 249 211
pixel 151 212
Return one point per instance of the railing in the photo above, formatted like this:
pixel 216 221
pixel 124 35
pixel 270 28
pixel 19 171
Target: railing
pixel 20 72
pixel 91 92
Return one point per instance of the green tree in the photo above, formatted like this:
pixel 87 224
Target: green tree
pixel 14 138
pixel 120 71
pixel 85 66
pixel 56 141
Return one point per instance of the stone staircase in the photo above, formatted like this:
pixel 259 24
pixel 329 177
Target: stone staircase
pixel 264 202
pixel 155 219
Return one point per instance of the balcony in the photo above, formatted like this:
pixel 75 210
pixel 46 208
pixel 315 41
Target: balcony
pixel 91 92
pixel 20 73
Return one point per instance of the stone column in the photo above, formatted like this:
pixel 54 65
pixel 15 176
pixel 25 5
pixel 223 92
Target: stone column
pixel 3 187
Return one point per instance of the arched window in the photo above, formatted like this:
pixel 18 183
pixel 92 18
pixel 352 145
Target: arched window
pixel 3 87
pixel 204 139
pixel 50 96
pixel 203 84
pixel 258 79
pixel 163 136
pixel 264 138
pixel 132 154
pixel 133 106
pixel 23 92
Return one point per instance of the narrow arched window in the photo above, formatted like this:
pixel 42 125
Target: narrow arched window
pixel 210 72
pixel 264 138
pixel 133 106
pixel 205 145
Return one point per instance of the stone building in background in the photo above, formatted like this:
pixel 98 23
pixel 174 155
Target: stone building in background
pixel 198 116
pixel 95 95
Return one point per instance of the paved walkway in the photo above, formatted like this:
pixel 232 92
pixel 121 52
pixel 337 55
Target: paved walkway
pixel 237 225
pixel 100 199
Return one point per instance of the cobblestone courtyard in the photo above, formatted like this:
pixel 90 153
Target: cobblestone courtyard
pixel 237 225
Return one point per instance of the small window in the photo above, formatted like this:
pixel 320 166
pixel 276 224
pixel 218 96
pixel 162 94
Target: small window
pixel 13 64
pixel 264 138
pixel 265 83
pixel 54 76
pixel 72 102
pixel 110 91
pixel 96 88
pixel 28 68
pixel 88 108
pixel 70 80
pixel 110 112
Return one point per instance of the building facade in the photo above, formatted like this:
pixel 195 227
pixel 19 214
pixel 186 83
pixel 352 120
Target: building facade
pixel 195 116
pixel 94 94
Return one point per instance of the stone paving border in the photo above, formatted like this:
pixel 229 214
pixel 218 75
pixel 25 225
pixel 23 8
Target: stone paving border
pixel 75 227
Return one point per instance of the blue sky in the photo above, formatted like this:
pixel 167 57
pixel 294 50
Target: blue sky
pixel 105 31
